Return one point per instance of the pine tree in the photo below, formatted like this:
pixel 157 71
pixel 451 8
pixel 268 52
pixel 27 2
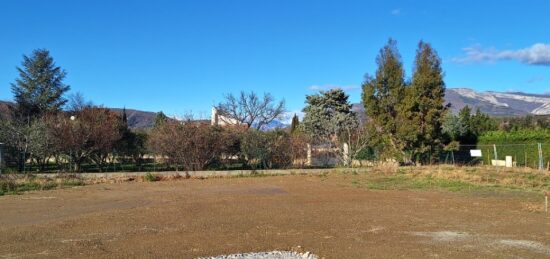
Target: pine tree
pixel 465 117
pixel 424 105
pixel 39 88
pixel 160 119
pixel 382 96
pixel 329 120
pixel 328 114
pixel 481 123
pixel 295 124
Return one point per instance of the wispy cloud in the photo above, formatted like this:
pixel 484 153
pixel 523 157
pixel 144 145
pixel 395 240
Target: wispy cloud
pixel 535 79
pixel 395 12
pixel 538 54
pixel 330 87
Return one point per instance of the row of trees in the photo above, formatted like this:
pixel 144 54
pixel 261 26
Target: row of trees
pixel 195 145
pixel 406 120
pixel 45 128
pixel 37 129
pixel 405 117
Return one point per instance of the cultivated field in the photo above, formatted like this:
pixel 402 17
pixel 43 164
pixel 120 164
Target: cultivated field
pixel 383 214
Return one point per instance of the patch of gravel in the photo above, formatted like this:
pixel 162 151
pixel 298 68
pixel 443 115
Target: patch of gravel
pixel 484 240
pixel 443 236
pixel 266 255
pixel 527 244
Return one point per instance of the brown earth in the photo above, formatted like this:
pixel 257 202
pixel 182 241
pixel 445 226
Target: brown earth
pixel 325 215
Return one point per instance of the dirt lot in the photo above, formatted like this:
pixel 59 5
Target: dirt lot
pixel 329 216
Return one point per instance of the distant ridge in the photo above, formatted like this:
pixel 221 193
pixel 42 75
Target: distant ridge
pixel 500 104
pixel 137 119
pixel 497 104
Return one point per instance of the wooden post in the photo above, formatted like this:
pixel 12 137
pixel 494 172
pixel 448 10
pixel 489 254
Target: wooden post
pixel 309 154
pixel 546 201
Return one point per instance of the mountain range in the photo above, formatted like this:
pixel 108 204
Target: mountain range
pixel 500 104
pixel 497 104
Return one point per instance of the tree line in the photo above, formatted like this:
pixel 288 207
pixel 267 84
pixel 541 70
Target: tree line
pixel 405 120
pixel 50 131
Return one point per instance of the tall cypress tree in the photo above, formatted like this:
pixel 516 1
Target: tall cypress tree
pixel 294 124
pixel 382 95
pixel 425 104
pixel 124 117
pixel 39 88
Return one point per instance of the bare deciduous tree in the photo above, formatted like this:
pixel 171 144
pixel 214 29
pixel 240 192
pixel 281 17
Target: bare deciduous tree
pixel 192 145
pixel 77 102
pixel 88 134
pixel 251 109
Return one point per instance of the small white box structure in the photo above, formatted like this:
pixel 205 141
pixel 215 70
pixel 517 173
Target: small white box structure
pixel 509 162
pixel 475 152
pixel 498 162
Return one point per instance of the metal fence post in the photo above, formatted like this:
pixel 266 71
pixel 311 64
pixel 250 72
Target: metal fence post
pixel 541 162
pixel 495 151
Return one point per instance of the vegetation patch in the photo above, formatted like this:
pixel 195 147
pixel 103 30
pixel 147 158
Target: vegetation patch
pixel 451 179
pixel 149 177
pixel 14 184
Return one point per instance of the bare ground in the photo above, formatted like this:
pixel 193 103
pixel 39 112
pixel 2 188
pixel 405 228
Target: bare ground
pixel 329 216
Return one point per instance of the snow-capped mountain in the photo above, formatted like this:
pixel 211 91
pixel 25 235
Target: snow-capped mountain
pixel 499 103
pixel 492 103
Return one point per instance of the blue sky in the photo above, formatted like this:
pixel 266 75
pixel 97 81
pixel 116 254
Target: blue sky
pixel 181 56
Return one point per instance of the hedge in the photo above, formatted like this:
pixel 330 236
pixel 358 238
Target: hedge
pixel 522 145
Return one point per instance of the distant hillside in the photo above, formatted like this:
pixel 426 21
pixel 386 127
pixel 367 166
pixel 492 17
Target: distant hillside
pixel 499 104
pixel 493 103
pixel 5 109
pixel 138 119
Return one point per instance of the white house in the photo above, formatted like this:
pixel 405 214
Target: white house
pixel 219 120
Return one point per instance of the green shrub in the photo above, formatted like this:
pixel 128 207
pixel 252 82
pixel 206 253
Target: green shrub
pixel 72 182
pixel 149 177
pixel 48 185
pixel 7 186
pixel 267 149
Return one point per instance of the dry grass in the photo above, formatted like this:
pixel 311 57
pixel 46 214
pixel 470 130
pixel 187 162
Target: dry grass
pixel 457 177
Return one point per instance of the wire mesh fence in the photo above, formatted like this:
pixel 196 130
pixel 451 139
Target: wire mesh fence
pixel 533 155
pixel 529 155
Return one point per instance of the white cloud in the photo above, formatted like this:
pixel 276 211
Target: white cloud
pixel 538 54
pixel 330 87
pixel 395 12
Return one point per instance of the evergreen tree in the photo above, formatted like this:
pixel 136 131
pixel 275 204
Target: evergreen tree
pixel 160 119
pixel 465 114
pixel 424 105
pixel 295 124
pixel 124 117
pixel 382 96
pixel 454 128
pixel 481 123
pixel 327 115
pixel 329 120
pixel 39 88
pixel 465 117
